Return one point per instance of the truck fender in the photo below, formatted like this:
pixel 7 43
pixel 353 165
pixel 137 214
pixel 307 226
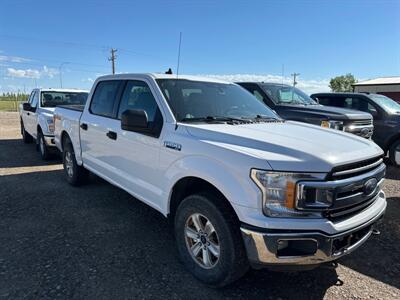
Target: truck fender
pixel 236 189
pixel 69 129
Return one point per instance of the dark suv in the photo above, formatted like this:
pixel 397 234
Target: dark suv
pixel 385 111
pixel 292 104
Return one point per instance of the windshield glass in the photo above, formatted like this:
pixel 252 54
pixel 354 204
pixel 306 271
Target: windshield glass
pixel 284 94
pixel 386 103
pixel 195 100
pixel 53 98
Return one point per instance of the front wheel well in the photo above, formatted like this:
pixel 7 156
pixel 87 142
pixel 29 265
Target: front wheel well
pixel 193 185
pixel 64 138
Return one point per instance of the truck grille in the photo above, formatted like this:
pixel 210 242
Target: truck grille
pixel 353 196
pixel 363 128
pixel 351 188
pixel 362 122
pixel 353 169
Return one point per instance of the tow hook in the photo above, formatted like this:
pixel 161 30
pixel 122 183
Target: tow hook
pixel 376 232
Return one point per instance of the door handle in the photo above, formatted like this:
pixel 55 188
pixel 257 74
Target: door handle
pixel 84 126
pixel 112 135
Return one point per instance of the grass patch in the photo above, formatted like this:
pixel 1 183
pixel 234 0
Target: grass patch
pixel 9 105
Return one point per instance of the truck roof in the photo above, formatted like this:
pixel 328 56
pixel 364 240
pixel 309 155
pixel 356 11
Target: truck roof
pixel 344 94
pixel 62 90
pixel 161 76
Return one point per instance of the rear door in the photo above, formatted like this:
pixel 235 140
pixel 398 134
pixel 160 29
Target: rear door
pixel 98 129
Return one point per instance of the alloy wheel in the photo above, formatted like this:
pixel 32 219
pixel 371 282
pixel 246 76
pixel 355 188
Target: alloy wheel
pixel 69 165
pixel 202 241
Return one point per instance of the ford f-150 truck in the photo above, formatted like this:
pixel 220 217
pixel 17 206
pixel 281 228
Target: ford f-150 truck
pixel 293 104
pixel 36 115
pixel 241 186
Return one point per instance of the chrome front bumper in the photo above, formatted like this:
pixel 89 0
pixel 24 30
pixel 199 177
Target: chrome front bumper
pixel 280 248
pixel 49 139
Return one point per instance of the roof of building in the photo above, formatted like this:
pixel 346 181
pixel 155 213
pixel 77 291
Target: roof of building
pixel 380 80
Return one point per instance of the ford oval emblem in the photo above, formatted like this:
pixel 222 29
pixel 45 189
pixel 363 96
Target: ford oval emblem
pixel 365 132
pixel 370 186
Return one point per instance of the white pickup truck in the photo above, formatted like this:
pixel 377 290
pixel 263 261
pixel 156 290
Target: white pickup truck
pixel 36 115
pixel 241 186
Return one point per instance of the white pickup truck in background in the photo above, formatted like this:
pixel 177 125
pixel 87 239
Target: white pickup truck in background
pixel 36 115
pixel 242 186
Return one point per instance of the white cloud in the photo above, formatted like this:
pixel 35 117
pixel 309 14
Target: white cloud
pixel 14 59
pixel 89 79
pixel 32 73
pixel 308 86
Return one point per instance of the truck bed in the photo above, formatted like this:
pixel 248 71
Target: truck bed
pixel 77 107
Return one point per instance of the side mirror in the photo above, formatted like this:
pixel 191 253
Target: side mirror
pixel 26 106
pixel 134 120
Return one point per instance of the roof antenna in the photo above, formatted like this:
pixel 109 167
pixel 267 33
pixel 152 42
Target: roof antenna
pixel 169 72
pixel 179 54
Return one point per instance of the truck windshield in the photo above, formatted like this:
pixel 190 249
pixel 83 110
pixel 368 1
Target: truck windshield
pixel 386 103
pixel 53 98
pixel 197 100
pixel 284 94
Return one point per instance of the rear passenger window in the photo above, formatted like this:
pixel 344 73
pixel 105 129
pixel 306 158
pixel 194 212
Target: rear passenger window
pixel 104 98
pixel 137 95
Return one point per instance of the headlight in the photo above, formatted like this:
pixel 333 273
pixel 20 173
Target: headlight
pixel 279 192
pixel 338 125
pixel 50 125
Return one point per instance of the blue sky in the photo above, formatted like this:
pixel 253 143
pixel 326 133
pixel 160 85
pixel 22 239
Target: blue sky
pixel 229 39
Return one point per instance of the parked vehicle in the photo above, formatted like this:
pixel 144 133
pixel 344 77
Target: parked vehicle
pixel 293 104
pixel 36 115
pixel 241 186
pixel 385 111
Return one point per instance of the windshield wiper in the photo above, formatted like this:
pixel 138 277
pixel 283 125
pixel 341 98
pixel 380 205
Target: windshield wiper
pixel 266 118
pixel 211 119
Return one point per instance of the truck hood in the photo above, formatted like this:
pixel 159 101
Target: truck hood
pixel 288 146
pixel 327 112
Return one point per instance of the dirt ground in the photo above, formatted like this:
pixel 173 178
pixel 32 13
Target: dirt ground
pixel 97 242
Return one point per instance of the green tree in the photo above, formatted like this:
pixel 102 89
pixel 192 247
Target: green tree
pixel 342 83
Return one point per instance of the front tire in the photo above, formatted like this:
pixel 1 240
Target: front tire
pixel 42 147
pixel 75 174
pixel 394 153
pixel 209 241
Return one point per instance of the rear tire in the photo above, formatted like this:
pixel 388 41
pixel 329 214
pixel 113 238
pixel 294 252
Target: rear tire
pixel 226 260
pixel 75 174
pixel 42 147
pixel 394 153
pixel 26 137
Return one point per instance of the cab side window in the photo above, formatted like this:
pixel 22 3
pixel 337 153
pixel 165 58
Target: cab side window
pixel 35 99
pixel 104 98
pixel 361 104
pixel 138 96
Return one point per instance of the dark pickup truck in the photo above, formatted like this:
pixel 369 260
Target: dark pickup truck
pixel 385 111
pixel 293 104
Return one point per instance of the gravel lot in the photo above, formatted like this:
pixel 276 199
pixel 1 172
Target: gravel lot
pixel 97 242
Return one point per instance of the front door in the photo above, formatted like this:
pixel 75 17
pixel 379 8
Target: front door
pixel 136 155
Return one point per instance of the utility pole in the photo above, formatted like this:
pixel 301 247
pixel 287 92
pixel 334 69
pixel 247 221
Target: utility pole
pixel 294 78
pixel 60 72
pixel 112 59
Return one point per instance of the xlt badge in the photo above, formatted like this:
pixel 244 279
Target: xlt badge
pixel 173 145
